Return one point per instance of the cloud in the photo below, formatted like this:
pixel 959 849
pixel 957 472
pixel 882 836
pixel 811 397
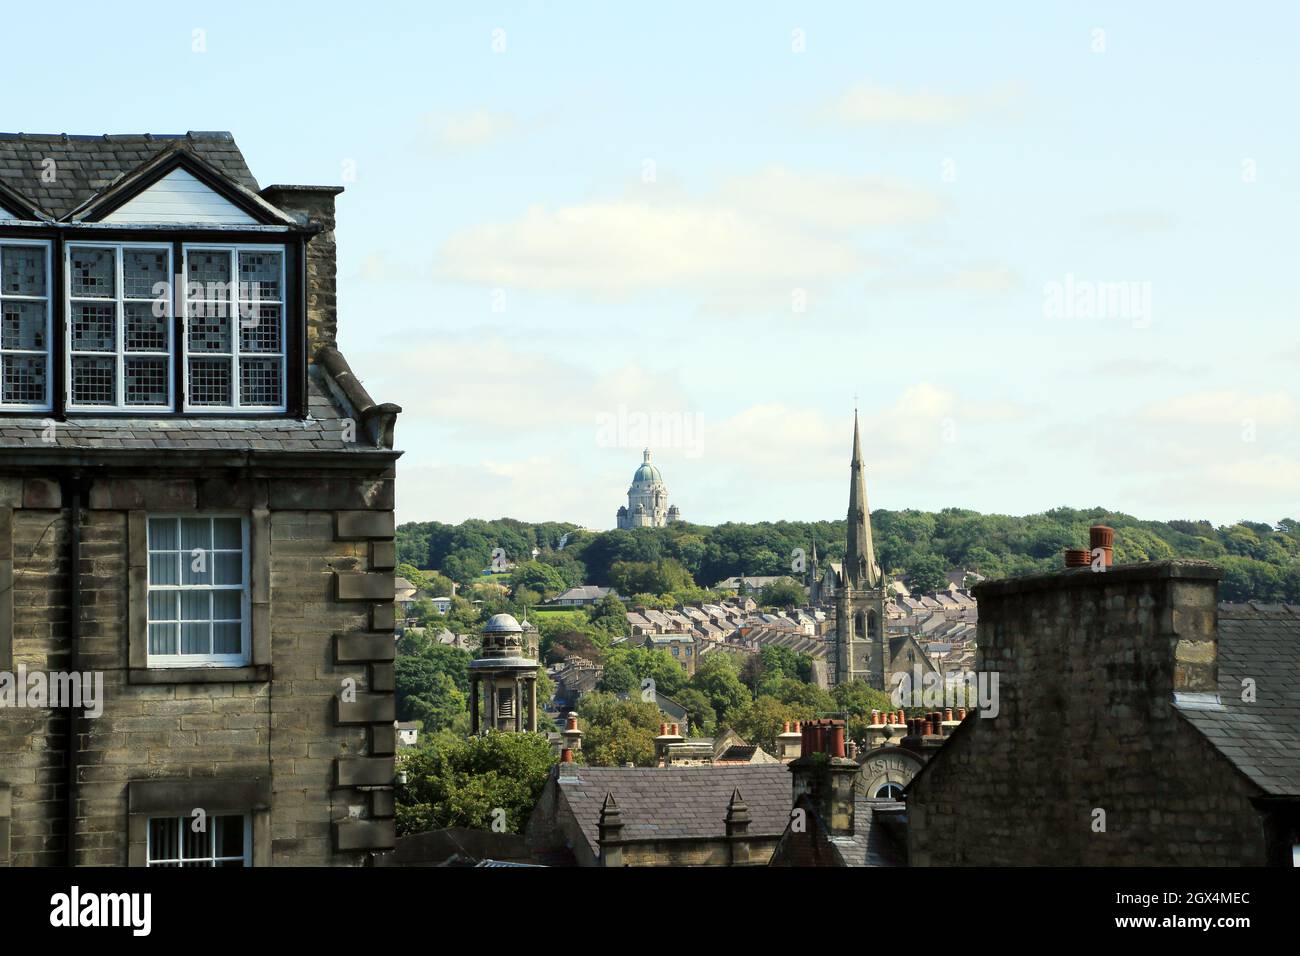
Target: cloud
pixel 773 229
pixel 470 130
pixel 841 203
pixel 989 279
pixel 1270 473
pixel 502 393
pixel 1224 407
pixel 1134 222
pixel 611 249
pixel 869 104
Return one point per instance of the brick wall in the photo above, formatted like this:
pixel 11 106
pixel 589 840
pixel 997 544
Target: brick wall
pixel 1088 666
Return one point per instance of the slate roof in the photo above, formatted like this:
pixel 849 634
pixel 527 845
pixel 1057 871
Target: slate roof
pixel 1262 739
pixel 86 165
pixel 679 803
pixel 321 431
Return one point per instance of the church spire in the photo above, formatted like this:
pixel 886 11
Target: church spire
pixel 860 558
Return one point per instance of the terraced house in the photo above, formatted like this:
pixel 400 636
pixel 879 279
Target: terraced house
pixel 196 507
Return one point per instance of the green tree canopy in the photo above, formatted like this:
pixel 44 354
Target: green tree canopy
pixel 459 783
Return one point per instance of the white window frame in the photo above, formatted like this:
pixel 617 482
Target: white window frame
pixel 178 659
pixel 119 355
pixel 211 860
pixel 48 351
pixel 236 399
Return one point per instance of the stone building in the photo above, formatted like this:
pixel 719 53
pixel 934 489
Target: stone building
pixel 196 508
pixel 1139 723
pixel 647 499
pixel 503 679
pixel 832 822
pixel 862 650
pixel 661 816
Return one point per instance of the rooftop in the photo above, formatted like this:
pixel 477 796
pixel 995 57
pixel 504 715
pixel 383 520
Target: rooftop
pixel 58 172
pixel 1261 739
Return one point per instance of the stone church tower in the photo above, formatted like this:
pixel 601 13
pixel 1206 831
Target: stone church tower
pixel 647 499
pixel 861 650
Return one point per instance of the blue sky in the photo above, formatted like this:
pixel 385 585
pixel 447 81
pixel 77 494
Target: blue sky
pixel 564 215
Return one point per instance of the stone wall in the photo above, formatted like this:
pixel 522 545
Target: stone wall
pixel 1088 665
pixel 328 618
pixel 315 205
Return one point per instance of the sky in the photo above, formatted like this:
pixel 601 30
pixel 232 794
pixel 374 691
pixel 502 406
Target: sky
pixel 1047 249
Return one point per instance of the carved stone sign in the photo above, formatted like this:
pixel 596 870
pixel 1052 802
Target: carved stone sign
pixel 884 769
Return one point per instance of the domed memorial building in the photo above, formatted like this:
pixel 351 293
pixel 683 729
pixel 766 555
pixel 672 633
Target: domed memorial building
pixel 647 499
pixel 502 677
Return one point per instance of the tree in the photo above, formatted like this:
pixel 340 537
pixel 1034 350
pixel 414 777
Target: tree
pixel 609 614
pixel 638 663
pixel 858 698
pixel 432 686
pixel 760 721
pixel 653 577
pixel 927 573
pixel 460 783
pixel 537 577
pixel 717 678
pixel 700 716
pixel 785 592
pixel 616 732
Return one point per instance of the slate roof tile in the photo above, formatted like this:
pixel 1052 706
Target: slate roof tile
pixel 85 165
pixel 1262 739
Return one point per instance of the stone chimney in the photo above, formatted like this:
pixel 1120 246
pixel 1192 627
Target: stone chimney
pixel 668 735
pixel 315 205
pixel 572 738
pixel 826 775
pixel 609 833
pixel 788 742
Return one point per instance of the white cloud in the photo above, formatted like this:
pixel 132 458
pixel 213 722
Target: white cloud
pixel 977 279
pixel 469 130
pixel 1224 407
pixel 505 394
pixel 869 103
pixel 1268 473
pixel 834 202
pixel 773 229
pixel 610 249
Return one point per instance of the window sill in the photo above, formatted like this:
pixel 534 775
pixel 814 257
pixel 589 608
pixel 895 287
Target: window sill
pixel 249 674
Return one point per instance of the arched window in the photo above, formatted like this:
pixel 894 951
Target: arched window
pixel 860 626
pixel 872 626
pixel 890 791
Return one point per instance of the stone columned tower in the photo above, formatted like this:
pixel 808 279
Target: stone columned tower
pixel 503 679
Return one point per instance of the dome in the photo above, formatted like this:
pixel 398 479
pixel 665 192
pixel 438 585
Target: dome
pixel 647 471
pixel 502 624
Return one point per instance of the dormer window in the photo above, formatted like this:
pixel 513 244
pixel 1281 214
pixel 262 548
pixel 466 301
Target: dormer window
pixel 24 325
pixel 119 327
pixel 234 340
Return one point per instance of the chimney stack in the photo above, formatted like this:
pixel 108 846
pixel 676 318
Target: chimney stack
pixel 572 738
pixel 788 743
pixel 826 776
pixel 315 205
